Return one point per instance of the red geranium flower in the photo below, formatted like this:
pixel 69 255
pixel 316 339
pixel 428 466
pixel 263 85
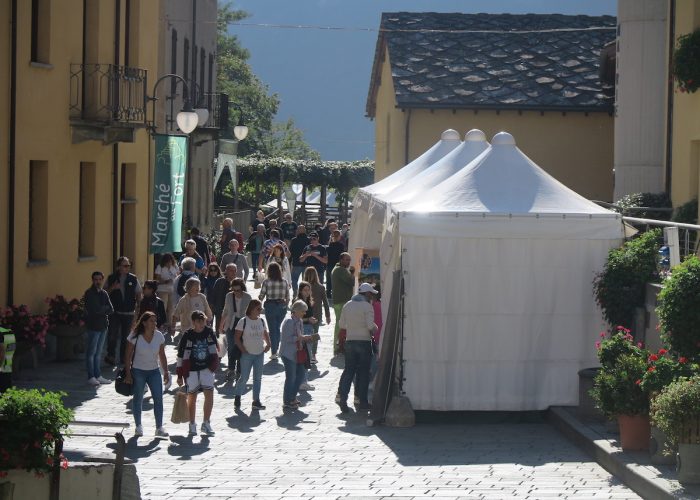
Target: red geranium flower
pixel 682 360
pixel 653 357
pixel 651 369
pixel 662 351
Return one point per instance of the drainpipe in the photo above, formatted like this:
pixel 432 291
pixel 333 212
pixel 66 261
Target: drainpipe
pixel 669 104
pixel 407 135
pixel 11 161
pixel 115 146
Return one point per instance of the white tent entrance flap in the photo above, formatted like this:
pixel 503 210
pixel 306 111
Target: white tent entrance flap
pixel 498 261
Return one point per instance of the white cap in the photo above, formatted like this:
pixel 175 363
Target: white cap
pixel 366 287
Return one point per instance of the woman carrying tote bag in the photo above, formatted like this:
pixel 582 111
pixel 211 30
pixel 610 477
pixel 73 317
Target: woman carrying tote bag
pixel 145 348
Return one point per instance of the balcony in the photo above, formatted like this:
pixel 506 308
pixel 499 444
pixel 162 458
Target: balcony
pixel 217 104
pixel 107 102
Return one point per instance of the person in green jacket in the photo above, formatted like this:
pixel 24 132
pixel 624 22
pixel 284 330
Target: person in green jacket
pixel 343 280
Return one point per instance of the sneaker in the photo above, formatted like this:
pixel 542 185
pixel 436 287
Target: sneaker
pixel 237 402
pixel 161 432
pixel 110 360
pixel 306 387
pixel 193 429
pixel 138 432
pixel 93 382
pixel 344 408
pixel 206 429
pixel 103 380
pixel 257 405
pixel 274 356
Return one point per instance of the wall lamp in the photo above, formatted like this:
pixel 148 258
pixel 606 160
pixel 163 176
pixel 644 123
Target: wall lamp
pixel 188 118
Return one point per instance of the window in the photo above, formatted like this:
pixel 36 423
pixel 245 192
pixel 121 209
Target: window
pixel 41 31
pixel 127 245
pixel 210 83
pixel 38 209
pixel 202 63
pixel 186 63
pixel 86 210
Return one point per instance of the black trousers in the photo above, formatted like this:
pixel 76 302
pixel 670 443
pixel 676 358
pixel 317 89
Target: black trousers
pixel 119 329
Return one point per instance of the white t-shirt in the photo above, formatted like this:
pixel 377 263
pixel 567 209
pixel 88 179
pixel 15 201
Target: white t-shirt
pixel 146 353
pixel 166 273
pixel 253 339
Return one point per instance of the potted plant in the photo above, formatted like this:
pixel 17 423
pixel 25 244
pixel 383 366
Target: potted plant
pixel 29 329
pixel 66 323
pixel 685 68
pixel 676 411
pixel 662 370
pixel 617 388
pixel 38 420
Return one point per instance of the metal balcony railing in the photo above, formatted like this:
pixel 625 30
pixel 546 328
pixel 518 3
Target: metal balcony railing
pixel 217 104
pixel 108 94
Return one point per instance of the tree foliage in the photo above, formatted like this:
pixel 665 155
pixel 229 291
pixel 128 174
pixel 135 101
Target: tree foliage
pixel 287 140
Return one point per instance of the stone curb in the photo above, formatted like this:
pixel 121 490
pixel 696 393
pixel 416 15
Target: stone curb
pixel 637 477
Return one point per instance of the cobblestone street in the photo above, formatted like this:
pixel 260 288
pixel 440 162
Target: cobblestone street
pixel 317 452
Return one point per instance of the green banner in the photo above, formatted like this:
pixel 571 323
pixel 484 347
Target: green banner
pixel 168 193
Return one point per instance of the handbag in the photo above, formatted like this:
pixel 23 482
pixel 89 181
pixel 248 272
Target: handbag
pixel 120 384
pixel 180 413
pixel 302 356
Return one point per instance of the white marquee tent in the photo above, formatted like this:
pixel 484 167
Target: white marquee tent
pixel 497 261
pixel 449 140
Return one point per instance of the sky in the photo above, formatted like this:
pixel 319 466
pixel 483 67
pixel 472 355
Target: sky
pixel 322 76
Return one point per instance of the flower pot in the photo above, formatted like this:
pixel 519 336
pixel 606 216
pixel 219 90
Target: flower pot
pixel 25 356
pixel 661 449
pixel 68 340
pixel 635 431
pixel 688 463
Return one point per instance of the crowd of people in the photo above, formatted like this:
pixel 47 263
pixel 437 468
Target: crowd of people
pixel 200 302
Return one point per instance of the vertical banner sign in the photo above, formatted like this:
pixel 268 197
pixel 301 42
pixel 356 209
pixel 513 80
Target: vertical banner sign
pixel 168 193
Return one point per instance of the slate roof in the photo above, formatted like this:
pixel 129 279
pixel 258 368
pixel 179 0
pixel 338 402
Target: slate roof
pixel 528 69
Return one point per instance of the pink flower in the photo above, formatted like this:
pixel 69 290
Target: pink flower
pixel 638 381
pixel 597 345
pixel 602 335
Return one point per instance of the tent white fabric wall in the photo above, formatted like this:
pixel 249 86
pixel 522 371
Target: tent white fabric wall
pixel 360 229
pixel 498 261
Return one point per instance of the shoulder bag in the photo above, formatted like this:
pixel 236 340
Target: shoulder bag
pixel 120 384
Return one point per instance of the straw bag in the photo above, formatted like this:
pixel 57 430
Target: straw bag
pixel 180 413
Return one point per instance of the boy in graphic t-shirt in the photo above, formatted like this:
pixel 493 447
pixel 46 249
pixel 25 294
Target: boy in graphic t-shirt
pixel 197 360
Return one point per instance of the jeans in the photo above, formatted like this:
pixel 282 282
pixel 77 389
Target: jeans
pixel 254 259
pixel 155 384
pixel 248 361
pixel 274 312
pixel 119 328
pixel 293 377
pixel 297 271
pixel 358 354
pixel 93 351
pixel 233 363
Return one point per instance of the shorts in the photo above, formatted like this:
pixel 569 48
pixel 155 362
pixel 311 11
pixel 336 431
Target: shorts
pixel 202 380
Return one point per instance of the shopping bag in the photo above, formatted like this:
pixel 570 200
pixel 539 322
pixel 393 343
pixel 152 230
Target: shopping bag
pixel 180 413
pixel 221 345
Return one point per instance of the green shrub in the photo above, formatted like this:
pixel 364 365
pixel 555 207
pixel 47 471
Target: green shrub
pixel 651 200
pixel 679 309
pixel 620 287
pixel 678 406
pixel 37 420
pixel 685 66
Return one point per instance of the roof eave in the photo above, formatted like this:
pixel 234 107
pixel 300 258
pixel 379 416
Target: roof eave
pixel 508 107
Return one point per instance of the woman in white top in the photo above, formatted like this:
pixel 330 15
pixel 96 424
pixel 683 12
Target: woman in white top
pixel 235 307
pixel 145 349
pixel 253 339
pixel 165 275
pixel 193 300
pixel 277 255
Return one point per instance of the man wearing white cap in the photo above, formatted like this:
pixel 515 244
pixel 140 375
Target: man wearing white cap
pixel 357 318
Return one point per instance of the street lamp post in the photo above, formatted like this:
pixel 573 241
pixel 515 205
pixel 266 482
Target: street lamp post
pixel 189 118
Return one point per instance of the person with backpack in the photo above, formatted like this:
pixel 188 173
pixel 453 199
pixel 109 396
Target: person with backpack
pixel 253 340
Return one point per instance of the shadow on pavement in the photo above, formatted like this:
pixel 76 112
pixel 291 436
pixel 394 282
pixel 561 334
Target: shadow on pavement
pixel 244 423
pixel 291 419
pixel 185 447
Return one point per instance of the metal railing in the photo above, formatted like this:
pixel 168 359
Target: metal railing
pixel 106 93
pixel 217 104
pixel 687 233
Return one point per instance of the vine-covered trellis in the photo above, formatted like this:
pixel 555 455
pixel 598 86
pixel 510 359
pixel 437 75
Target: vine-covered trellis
pixel 342 176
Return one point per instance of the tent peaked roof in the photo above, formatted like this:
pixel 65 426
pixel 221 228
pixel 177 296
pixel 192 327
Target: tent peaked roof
pixel 448 141
pixel 474 144
pixel 503 180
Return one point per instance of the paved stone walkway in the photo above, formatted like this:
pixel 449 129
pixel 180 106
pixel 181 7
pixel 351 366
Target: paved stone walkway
pixel 316 452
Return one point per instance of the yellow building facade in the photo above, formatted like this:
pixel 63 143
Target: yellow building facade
pixel 75 157
pixel 685 137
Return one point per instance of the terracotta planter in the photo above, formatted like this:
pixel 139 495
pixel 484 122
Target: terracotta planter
pixel 688 463
pixel 635 432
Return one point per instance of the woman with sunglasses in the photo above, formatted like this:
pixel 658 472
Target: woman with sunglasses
pixel 235 308
pixel 253 341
